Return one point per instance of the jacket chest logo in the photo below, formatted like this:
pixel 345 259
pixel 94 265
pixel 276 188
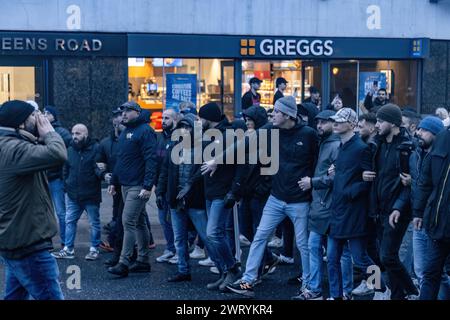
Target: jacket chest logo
pixel 129 135
pixel 299 143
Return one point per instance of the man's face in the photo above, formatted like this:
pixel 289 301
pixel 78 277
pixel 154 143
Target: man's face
pixel 117 122
pixel 383 127
pixel 282 86
pixel 79 134
pixel 250 123
pixel 256 85
pixel 30 124
pixel 381 95
pixel 406 123
pixel 324 127
pixel 315 96
pixel 168 120
pixel 426 138
pixel 49 116
pixel 342 127
pixel 338 105
pixel 279 118
pixel 129 115
pixel 365 129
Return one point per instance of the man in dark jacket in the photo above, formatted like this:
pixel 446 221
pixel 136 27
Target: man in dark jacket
pixel 349 202
pixel 135 172
pixel 314 96
pixel 169 123
pixel 389 201
pixel 373 105
pixel 280 84
pixel 431 209
pixel 298 145
pixel 82 179
pixel 27 220
pixel 319 216
pixel 181 184
pixel 252 97
pixel 54 175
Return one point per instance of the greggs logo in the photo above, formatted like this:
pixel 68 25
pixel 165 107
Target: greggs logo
pixel 287 47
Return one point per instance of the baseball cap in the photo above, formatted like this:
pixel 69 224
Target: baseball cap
pixel 131 105
pixel 279 81
pixel 116 111
pixel 254 80
pixel 345 115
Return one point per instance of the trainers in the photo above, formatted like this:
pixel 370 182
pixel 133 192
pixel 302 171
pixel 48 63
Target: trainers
pixel 92 255
pixel 284 260
pixel 232 277
pixel 243 288
pixel 214 270
pixel 386 295
pixel 295 281
pixel 65 253
pixel 112 261
pixel 269 268
pixel 275 243
pixel 347 296
pixel 244 241
pixel 207 262
pixel 179 277
pixel 412 297
pixel 197 253
pixel 362 289
pixel 173 260
pixel 119 269
pixel 140 267
pixel 165 257
pixel 307 294
pixel 215 285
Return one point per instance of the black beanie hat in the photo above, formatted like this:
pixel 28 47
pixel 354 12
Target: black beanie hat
pixel 52 110
pixel 13 113
pixel 211 112
pixel 390 113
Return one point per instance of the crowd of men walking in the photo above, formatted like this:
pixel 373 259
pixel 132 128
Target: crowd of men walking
pixel 363 194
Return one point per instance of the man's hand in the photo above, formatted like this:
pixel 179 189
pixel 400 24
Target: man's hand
pixel 229 201
pixel 101 166
pixel 369 176
pixel 332 170
pixel 393 218
pixel 144 194
pixel 417 223
pixel 160 202
pixel 183 192
pixel 43 125
pixel 209 166
pixel 406 179
pixel 108 177
pixel 305 183
pixel 112 190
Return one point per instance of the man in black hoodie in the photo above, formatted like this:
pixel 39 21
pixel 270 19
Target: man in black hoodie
pixel 389 201
pixel 54 175
pixel 135 172
pixel 298 146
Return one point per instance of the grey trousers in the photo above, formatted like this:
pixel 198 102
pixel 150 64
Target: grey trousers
pixel 134 227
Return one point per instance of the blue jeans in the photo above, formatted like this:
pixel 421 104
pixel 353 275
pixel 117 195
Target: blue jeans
pixel 34 276
pixel 180 228
pixel 216 229
pixel 74 211
pixel 274 212
pixel 421 243
pixel 358 250
pixel 57 193
pixel 316 242
pixel 166 224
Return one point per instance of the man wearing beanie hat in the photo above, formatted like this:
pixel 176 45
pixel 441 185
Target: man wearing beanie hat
pixel 390 198
pixel 55 175
pixel 298 146
pixel 26 209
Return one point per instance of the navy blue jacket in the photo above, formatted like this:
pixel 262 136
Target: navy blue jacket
pixel 107 152
pixel 57 173
pixel 350 193
pixel 136 163
pixel 82 177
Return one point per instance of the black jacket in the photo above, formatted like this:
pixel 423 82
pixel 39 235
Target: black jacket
pixel 248 99
pixel 298 148
pixel 162 144
pixel 57 173
pixel 82 178
pixel 107 152
pixel 278 95
pixel 350 193
pixel 137 162
pixel 375 104
pixel 432 199
pixel 388 193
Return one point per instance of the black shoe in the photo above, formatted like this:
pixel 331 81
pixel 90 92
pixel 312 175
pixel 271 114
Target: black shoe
pixel 232 277
pixel 215 285
pixel 119 269
pixel 268 267
pixel 112 261
pixel 179 277
pixel 242 288
pixel 138 267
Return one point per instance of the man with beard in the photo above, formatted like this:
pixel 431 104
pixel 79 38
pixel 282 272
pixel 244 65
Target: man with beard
pixel 366 127
pixel 169 122
pixel 27 221
pixel 389 201
pixel 427 130
pixel 82 179
pixel 373 105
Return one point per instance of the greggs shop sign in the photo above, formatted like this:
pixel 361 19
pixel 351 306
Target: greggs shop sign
pixel 287 47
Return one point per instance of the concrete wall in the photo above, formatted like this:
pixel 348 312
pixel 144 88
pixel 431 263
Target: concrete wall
pixel 349 18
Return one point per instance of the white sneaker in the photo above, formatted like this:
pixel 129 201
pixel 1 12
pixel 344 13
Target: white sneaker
pixel 244 241
pixel 92 255
pixel 214 270
pixel 362 289
pixel 275 243
pixel 173 260
pixel 382 295
pixel 197 253
pixel 64 253
pixel 165 257
pixel 207 262
pixel 285 260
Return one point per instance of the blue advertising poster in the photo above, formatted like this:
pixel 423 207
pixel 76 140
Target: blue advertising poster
pixel 370 81
pixel 180 87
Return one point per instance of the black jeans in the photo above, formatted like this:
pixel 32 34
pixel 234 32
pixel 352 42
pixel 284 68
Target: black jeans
pixel 399 278
pixel 438 252
pixel 288 238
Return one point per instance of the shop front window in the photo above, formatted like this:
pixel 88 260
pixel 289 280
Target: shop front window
pixel 343 81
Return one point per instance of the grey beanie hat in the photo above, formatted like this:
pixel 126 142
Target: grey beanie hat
pixel 287 105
